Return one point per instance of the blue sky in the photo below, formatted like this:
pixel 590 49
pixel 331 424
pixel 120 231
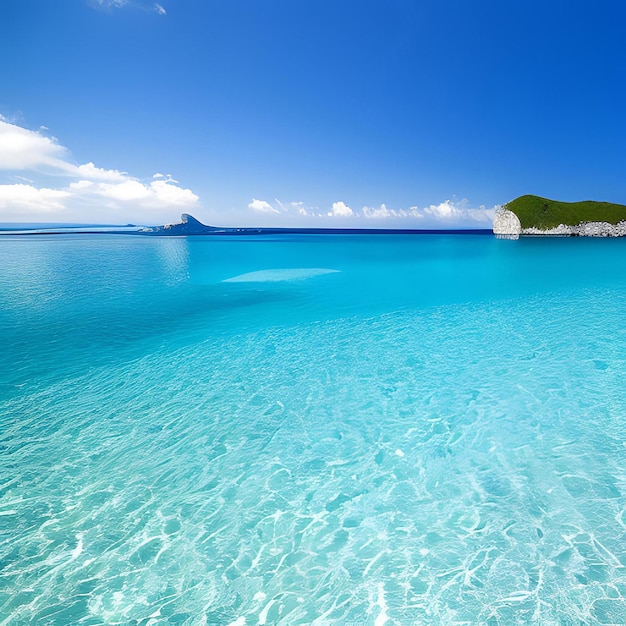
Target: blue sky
pixel 343 112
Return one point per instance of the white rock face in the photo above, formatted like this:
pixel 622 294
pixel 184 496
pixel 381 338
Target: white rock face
pixel 602 229
pixel 584 229
pixel 506 223
pixel 559 231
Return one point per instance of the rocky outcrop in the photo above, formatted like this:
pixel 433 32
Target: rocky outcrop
pixel 506 223
pixel 188 225
pixel 602 229
pixel 584 229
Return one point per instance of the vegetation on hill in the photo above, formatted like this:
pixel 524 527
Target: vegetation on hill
pixel 542 213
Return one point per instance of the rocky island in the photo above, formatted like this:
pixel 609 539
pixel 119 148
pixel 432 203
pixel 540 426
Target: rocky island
pixel 533 215
pixel 188 225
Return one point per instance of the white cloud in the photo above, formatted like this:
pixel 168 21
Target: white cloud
pixel 158 193
pixel 341 209
pixel 168 192
pixel 448 214
pixel 159 9
pixel 445 210
pixel 128 191
pixel 30 150
pixel 82 184
pixel 91 172
pixel 299 207
pixel 382 212
pixel 262 206
pixel 94 194
pixel 459 212
pixel 377 213
pixel 21 200
pixel 23 149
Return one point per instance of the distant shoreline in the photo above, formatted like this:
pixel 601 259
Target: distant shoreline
pixel 189 226
pixel 239 232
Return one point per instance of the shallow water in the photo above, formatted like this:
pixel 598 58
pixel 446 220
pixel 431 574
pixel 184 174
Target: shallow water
pixel 312 429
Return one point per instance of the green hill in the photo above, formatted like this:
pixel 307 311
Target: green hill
pixel 542 213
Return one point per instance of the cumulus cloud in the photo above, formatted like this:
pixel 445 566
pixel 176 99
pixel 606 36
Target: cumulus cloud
pixel 158 193
pixel 459 211
pixel 444 210
pixel 380 213
pixel 340 209
pixel 91 193
pixel 262 206
pixel 91 172
pixel 24 200
pixel 23 149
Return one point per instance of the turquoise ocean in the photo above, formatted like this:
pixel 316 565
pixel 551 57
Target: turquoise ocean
pixel 312 429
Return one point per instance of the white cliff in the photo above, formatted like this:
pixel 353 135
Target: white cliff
pixel 506 223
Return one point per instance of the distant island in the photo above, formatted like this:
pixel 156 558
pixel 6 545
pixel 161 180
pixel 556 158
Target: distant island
pixel 188 225
pixel 533 215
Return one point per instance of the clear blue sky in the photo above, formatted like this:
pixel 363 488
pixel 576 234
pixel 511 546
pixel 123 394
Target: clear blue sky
pixel 396 102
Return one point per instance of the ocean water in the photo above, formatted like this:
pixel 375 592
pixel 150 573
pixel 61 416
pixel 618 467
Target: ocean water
pixel 312 430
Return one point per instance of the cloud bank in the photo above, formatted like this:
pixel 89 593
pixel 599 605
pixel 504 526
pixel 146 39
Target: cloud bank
pixel 87 193
pixel 447 214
